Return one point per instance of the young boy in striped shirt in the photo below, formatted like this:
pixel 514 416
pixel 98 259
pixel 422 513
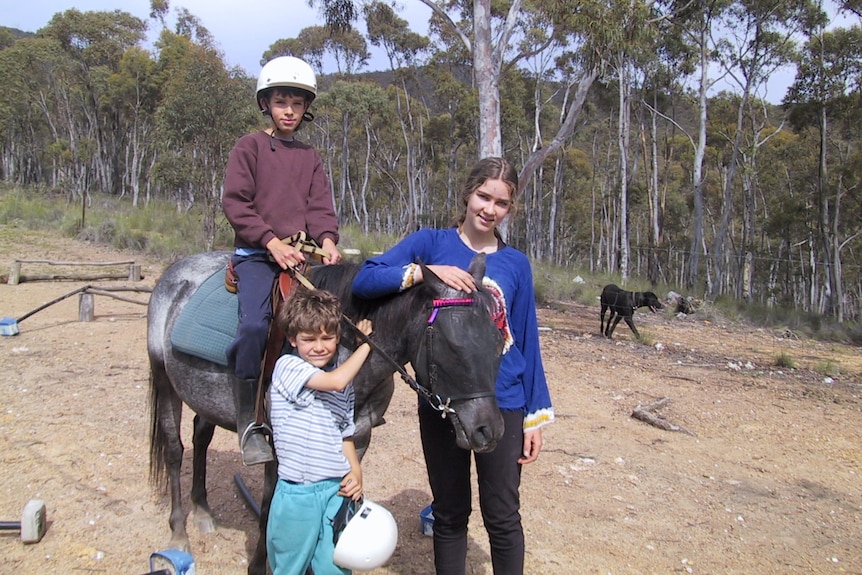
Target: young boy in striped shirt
pixel 311 411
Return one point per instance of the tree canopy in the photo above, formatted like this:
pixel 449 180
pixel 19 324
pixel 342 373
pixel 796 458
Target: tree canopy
pixel 632 162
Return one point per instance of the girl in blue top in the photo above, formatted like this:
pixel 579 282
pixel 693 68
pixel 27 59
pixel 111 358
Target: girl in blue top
pixel 522 391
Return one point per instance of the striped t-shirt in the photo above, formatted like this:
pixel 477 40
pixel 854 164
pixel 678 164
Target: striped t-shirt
pixel 308 426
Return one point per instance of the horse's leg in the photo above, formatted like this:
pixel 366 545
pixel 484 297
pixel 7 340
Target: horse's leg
pixel 201 438
pixel 258 563
pixel 166 448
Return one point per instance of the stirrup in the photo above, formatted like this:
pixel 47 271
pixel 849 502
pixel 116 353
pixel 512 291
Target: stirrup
pixel 253 428
pixel 254 447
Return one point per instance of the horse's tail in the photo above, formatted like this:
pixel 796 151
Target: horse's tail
pixel 158 438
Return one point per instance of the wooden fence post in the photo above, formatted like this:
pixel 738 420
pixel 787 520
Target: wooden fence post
pixel 14 273
pixel 135 273
pixel 86 307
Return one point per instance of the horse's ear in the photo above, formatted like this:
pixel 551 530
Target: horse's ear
pixel 429 277
pixel 477 268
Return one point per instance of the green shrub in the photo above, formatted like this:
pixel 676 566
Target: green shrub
pixel 828 367
pixel 368 245
pixel 160 230
pixel 646 338
pixel 785 360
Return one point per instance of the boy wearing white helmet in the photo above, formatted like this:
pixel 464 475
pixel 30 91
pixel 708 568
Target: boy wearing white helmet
pixel 274 187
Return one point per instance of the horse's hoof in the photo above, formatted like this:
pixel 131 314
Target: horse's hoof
pixel 205 523
pixel 181 543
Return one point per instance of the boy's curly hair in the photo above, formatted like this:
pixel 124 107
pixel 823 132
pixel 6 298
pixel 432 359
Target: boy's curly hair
pixel 310 311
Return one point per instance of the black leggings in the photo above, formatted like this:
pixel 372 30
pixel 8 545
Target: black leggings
pixel 499 477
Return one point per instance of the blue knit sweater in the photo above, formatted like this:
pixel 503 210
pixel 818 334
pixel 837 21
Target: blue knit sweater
pixel 521 383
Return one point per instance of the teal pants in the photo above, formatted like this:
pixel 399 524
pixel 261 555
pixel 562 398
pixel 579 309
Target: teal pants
pixel 299 532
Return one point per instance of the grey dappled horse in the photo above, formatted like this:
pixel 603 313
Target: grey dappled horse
pixel 458 364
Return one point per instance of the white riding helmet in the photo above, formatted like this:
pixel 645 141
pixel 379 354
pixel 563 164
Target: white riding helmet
pixel 287 71
pixel 368 540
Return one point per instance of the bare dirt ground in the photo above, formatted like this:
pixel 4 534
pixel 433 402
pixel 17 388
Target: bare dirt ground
pixel 766 481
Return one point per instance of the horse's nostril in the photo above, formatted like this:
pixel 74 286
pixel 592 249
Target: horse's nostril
pixel 484 439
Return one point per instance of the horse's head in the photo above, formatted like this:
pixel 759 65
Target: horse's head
pixel 458 358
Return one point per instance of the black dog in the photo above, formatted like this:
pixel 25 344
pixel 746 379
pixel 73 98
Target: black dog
pixel 622 304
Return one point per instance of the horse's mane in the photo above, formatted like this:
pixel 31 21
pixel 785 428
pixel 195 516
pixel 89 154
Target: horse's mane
pixel 388 313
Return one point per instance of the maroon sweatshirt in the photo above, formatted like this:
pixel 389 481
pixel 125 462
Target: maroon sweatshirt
pixel 274 188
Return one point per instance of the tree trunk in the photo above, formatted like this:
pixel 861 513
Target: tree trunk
pixel 486 73
pixel 697 170
pixel 623 138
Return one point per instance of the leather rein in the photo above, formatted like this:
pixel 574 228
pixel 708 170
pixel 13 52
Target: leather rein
pixel 301 242
pixel 437 402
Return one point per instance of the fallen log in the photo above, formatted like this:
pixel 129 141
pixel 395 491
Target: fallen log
pixel 647 415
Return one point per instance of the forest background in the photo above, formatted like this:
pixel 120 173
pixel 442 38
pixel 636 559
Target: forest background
pixel 632 165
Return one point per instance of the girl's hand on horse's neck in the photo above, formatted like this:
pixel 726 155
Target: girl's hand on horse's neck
pixel 478 242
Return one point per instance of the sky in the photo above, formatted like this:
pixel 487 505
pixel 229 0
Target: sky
pixel 243 29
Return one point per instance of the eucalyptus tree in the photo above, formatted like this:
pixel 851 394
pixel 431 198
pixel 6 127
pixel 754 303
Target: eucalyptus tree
pixel 488 32
pixel 352 111
pixel 347 48
pixel 309 44
pixel 695 20
pixel 661 98
pixel 500 38
pixel 758 40
pixel 450 136
pixel 825 95
pixel 783 224
pixel 538 77
pixel 404 49
pixel 624 33
pixel 204 109
pixel 33 135
pixel 134 91
pixel 95 43
pixel 852 6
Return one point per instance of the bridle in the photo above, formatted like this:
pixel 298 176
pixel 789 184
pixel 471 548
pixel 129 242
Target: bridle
pixel 430 364
pixel 444 406
pixel 437 402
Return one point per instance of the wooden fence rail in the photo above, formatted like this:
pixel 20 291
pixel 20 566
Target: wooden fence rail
pixel 15 277
pixel 87 303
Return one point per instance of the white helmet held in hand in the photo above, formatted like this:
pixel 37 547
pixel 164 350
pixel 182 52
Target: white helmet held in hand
pixel 368 540
pixel 288 72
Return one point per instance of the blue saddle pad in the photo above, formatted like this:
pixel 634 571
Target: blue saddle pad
pixel 207 325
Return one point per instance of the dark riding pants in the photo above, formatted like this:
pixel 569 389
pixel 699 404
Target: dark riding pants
pixel 499 477
pixel 256 275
